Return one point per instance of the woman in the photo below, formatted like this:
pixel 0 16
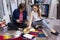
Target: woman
pixel 36 19
pixel 19 17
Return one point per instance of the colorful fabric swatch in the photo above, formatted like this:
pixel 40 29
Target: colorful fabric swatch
pixel 34 33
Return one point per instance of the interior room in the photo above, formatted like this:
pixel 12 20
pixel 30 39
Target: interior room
pixel 29 19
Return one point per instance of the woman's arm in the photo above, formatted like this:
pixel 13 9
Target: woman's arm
pixel 30 21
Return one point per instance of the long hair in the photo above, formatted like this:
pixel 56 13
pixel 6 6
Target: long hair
pixel 21 6
pixel 38 11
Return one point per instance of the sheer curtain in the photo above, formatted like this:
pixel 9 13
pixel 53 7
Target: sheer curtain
pixel 1 10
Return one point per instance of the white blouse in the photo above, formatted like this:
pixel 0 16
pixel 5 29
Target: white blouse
pixel 35 16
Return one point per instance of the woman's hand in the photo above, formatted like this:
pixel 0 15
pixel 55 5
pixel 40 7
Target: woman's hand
pixel 28 27
pixel 18 21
